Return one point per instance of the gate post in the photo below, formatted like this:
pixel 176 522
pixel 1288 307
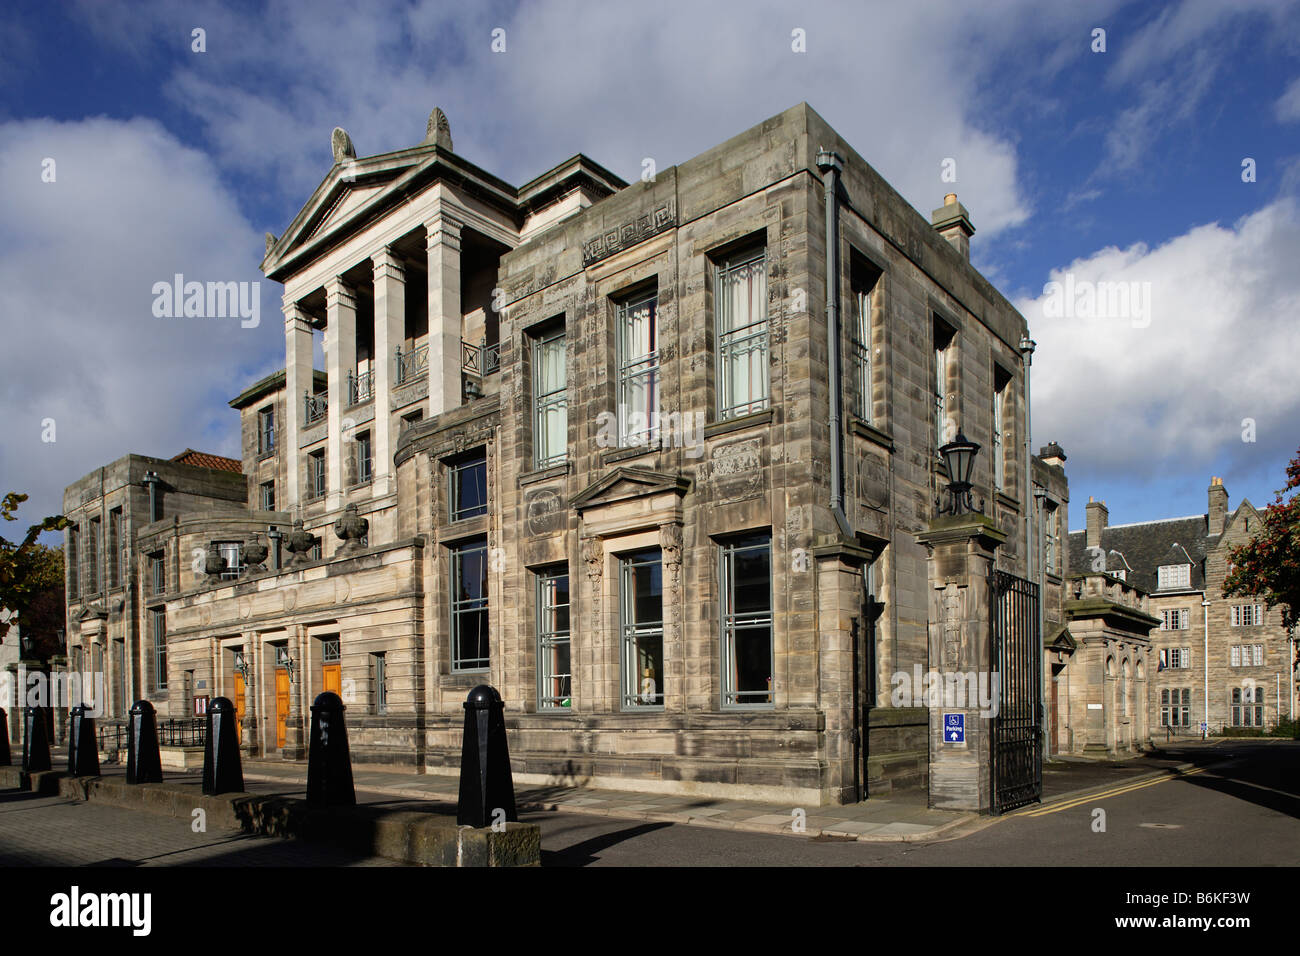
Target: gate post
pixel 960 549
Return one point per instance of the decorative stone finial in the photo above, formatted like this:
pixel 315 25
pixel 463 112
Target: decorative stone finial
pixel 300 542
pixel 351 528
pixel 271 240
pixel 438 130
pixel 254 553
pixel 341 143
pixel 213 562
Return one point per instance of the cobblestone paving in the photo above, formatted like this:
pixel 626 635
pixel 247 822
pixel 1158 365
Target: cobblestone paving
pixel 55 831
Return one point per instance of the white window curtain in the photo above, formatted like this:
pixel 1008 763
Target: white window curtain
pixel 552 406
pixel 741 297
pixel 638 398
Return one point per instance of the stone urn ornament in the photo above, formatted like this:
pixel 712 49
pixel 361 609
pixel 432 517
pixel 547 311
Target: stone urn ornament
pixel 351 528
pixel 254 553
pixel 300 542
pixel 213 563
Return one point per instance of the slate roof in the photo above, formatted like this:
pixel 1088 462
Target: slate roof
pixel 201 459
pixel 1142 548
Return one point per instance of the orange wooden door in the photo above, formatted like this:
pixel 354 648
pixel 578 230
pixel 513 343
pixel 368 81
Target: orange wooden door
pixel 331 679
pixel 239 707
pixel 281 704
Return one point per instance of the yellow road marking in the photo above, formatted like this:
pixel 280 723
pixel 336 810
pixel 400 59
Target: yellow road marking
pixel 1113 792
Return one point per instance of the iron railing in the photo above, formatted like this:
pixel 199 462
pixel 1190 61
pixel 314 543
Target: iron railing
pixel 314 408
pixel 361 388
pixel 411 365
pixel 1016 659
pixel 186 732
pixel 481 359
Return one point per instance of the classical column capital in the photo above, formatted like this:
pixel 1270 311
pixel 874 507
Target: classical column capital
pixel 296 318
pixel 388 266
pixel 339 293
pixel 443 230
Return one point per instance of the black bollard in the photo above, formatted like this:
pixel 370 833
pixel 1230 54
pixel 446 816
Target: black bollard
pixel 83 748
pixel 36 740
pixel 486 784
pixel 143 762
pixel 329 765
pixel 222 771
pixel 6 759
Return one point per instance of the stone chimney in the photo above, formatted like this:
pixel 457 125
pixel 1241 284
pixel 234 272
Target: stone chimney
pixel 1052 454
pixel 953 223
pixel 1097 515
pixel 1218 506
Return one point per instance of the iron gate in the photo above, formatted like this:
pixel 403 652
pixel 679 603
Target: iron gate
pixel 1017 649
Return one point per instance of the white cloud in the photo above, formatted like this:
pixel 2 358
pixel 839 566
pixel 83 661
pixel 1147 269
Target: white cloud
pixel 1288 105
pixel 130 206
pixel 1141 400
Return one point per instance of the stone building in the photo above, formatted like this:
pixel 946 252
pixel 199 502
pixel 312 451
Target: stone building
pixel 591 443
pixel 1224 661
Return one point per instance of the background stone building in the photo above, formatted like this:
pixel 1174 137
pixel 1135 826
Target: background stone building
pixel 1224 661
pixel 591 442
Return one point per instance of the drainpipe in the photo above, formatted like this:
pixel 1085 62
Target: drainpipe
pixel 1027 346
pixel 830 164
pixel 1205 663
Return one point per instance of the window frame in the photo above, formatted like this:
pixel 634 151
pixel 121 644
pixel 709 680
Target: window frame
pixel 729 623
pixel 1173 577
pixel 755 335
pixel 632 631
pixel 317 475
pixel 379 682
pixel 266 431
pixel 159 649
pixel 863 283
pixel 456 469
pixel 461 608
pixel 362 464
pixel 543 402
pixel 158 573
pixel 263 489
pixel 631 371
pixel 550 636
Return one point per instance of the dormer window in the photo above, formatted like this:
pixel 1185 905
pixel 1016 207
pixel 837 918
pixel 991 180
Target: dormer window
pixel 1172 576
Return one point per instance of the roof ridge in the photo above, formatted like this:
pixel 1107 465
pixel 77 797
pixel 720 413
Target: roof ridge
pixel 1135 524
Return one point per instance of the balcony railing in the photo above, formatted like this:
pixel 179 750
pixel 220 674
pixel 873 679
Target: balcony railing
pixel 314 408
pixel 481 359
pixel 361 388
pixel 411 365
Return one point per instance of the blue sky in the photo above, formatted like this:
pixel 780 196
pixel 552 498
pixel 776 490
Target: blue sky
pixel 1075 164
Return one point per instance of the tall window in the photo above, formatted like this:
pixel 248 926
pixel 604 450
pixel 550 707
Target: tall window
pixel 1171 576
pixel 378 683
pixel 641 619
pixel 1248 707
pixel 550 403
pixel 361 457
pixel 316 474
pixel 116 545
pixel 1001 391
pixel 863 283
pixel 1175 657
pixel 1051 538
pixel 943 339
pixel 746 588
pixel 554 669
pixel 1176 707
pixel 268 496
pixel 1247 615
pixel 638 369
pixel 740 295
pixel 266 430
pixel 469 607
pixel 74 554
pixel 92 556
pixel 158 572
pixel 1175 619
pixel 159 650
pixel 468 491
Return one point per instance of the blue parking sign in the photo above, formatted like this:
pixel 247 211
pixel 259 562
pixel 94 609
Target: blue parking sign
pixel 954 728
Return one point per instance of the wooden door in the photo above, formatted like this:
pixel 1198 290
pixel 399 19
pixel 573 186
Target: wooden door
pixel 281 704
pixel 331 679
pixel 239 707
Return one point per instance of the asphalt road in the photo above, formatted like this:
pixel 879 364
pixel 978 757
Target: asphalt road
pixel 1240 806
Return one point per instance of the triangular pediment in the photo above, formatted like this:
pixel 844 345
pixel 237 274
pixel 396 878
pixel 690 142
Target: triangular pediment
pixel 622 483
pixel 91 612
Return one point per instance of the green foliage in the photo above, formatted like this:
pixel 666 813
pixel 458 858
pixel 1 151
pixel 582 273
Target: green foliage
pixel 1268 566
pixel 28 571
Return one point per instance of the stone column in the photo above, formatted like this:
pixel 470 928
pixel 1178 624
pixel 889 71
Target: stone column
pixel 340 359
pixel 674 676
pixel 252 745
pixel 961 551
pixel 590 679
pixel 443 238
pixel 294 738
pixel 298 380
pixel 390 323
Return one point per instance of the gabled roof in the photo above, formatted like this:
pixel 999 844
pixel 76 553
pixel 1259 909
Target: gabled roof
pixel 200 459
pixel 1146 546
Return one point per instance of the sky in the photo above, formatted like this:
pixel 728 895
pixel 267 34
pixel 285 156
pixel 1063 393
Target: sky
pixel 1132 171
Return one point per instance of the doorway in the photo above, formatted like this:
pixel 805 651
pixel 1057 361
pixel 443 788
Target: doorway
pixel 281 704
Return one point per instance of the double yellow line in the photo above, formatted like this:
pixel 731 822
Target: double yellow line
pixel 1071 803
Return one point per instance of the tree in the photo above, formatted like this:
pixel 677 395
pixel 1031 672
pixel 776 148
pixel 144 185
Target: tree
pixel 1268 566
pixel 29 571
